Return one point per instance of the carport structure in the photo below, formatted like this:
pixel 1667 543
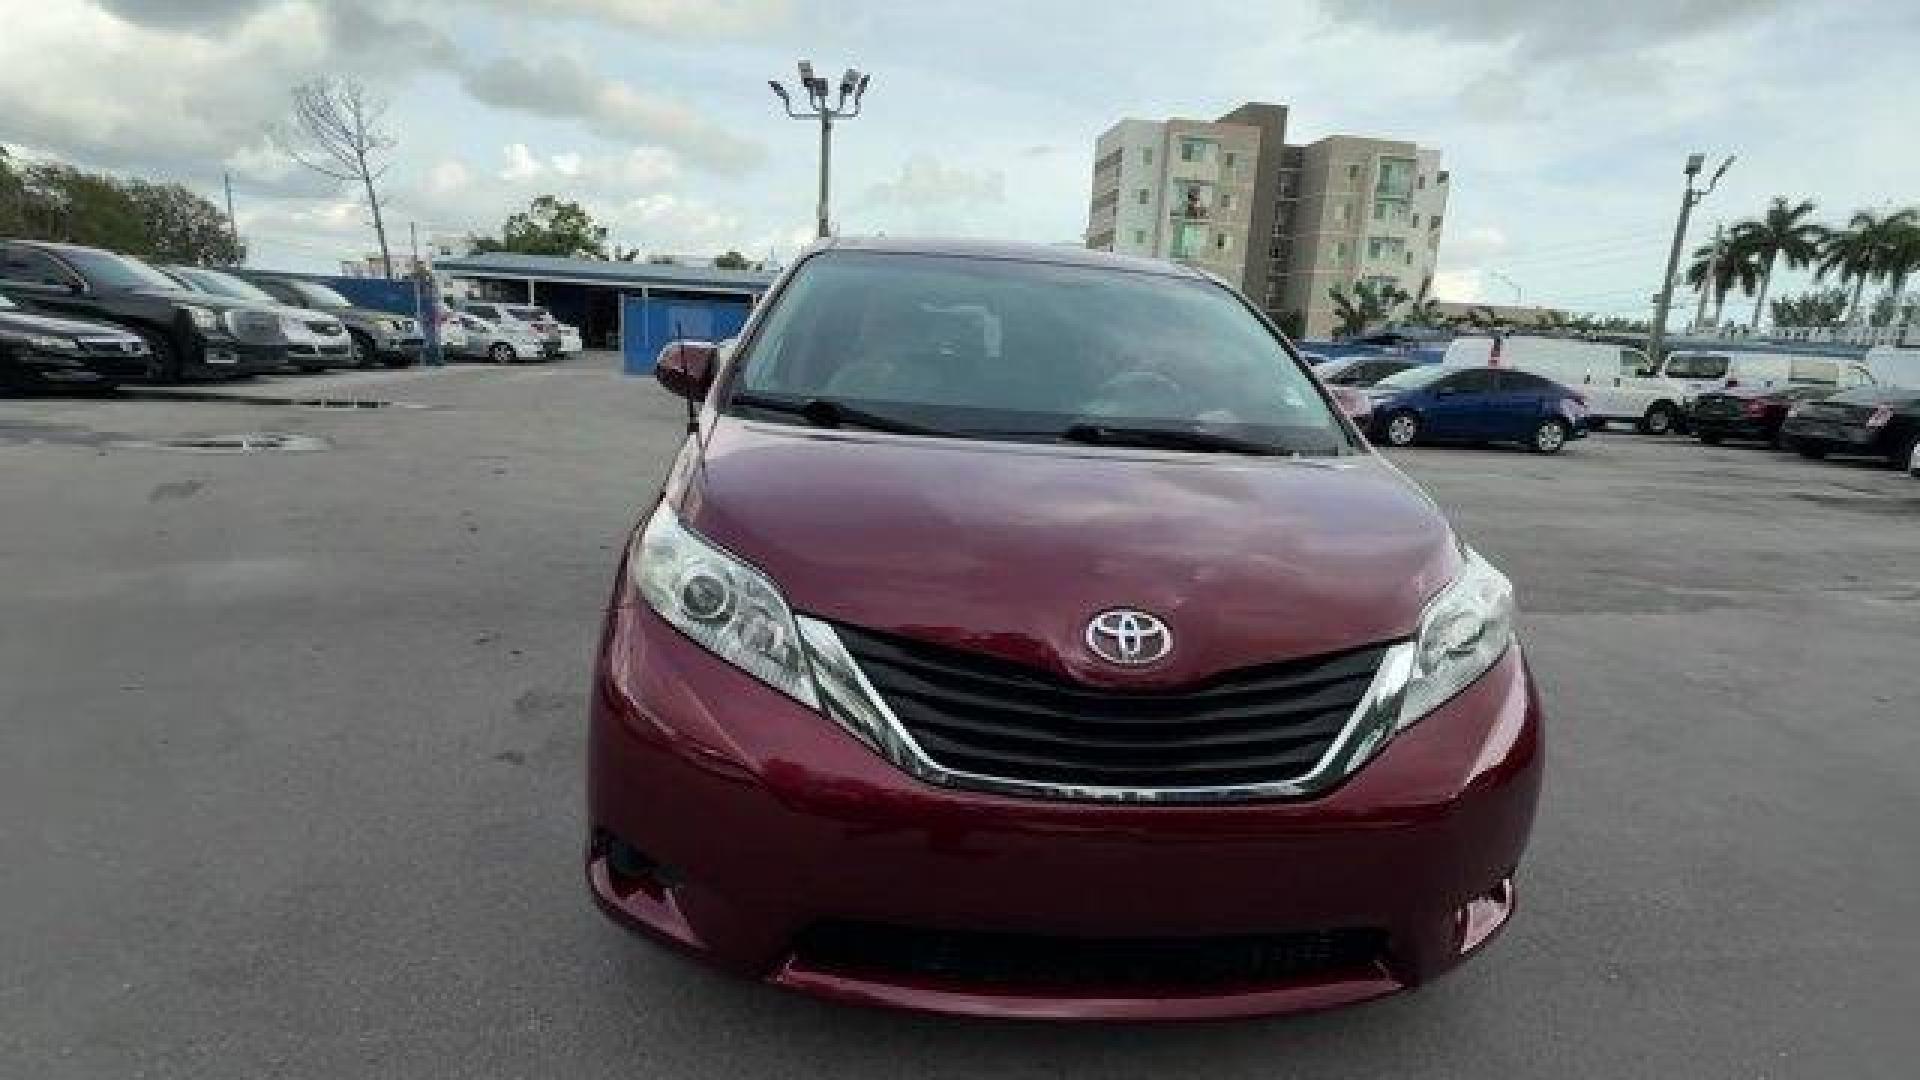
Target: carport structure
pixel 634 307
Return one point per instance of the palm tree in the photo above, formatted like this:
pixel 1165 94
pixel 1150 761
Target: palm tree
pixel 1734 266
pixel 1782 230
pixel 1901 259
pixel 1424 313
pixel 1863 251
pixel 1365 306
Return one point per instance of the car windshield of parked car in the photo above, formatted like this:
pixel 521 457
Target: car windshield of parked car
pixel 106 270
pixel 530 314
pixel 1415 377
pixel 319 294
pixel 1026 350
pixel 1696 366
pixel 220 284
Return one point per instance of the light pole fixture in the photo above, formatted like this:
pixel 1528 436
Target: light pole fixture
pixel 853 87
pixel 1663 300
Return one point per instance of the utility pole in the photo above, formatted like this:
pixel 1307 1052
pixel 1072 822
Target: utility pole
pixel 1711 284
pixel 425 300
pixel 233 226
pixel 1663 300
pixel 853 85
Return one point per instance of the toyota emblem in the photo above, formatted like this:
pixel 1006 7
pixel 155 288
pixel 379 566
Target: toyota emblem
pixel 1128 638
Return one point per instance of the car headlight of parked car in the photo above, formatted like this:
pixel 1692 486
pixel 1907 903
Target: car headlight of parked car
pixel 726 606
pixel 1463 631
pixel 48 343
pixel 203 318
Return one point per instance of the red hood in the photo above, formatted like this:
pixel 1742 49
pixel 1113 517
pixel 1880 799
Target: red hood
pixel 1010 548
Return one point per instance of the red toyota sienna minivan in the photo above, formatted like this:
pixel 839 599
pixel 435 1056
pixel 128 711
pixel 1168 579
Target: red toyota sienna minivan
pixel 1023 631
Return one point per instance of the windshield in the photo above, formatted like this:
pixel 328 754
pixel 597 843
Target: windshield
pixel 1030 350
pixel 1696 366
pixel 220 284
pixel 531 314
pixel 106 270
pixel 1416 377
pixel 319 294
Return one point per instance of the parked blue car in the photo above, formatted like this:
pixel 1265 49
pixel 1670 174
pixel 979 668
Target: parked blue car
pixel 1476 404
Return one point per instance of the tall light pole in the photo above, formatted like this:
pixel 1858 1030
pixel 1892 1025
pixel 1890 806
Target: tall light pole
pixel 1519 298
pixel 1663 300
pixel 853 87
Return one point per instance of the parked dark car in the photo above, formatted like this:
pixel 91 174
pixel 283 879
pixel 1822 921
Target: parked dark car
pixel 1021 632
pixel 1753 413
pixel 188 334
pixel 377 337
pixel 41 352
pixel 1868 421
pixel 315 339
pixel 1432 403
pixel 1362 370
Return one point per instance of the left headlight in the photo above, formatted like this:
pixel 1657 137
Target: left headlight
pixel 1463 631
pixel 726 606
pixel 203 318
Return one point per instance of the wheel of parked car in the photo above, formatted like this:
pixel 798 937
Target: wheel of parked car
pixel 1904 451
pixel 1549 437
pixel 362 347
pixel 163 363
pixel 501 353
pixel 1658 420
pixel 1402 428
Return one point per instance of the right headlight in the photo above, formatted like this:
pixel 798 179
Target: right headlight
pixel 726 606
pixel 1463 631
pixel 203 318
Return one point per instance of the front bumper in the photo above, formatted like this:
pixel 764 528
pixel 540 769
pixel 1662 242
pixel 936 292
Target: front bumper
pixel 1740 426
pixel 1842 438
pixel 33 367
pixel 763 820
pixel 408 349
pixel 225 357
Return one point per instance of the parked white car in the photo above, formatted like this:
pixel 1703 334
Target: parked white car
pixel 537 320
pixel 1615 379
pixel 502 343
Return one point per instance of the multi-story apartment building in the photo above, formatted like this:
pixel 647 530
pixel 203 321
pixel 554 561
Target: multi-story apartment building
pixel 1286 224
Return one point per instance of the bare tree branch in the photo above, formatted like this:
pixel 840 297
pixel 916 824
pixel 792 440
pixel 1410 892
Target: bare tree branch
pixel 336 131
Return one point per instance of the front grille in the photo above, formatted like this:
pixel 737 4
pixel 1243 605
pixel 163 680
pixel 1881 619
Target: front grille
pixel 326 329
pixel 113 346
pixel 259 327
pixel 978 714
pixel 1716 407
pixel 1035 960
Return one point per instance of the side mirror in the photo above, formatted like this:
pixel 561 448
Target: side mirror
pixel 686 368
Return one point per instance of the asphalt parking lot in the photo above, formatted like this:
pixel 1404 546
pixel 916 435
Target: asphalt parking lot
pixel 290 746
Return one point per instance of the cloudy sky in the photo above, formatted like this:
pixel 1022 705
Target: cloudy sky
pixel 1564 122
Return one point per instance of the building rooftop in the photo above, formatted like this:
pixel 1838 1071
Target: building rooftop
pixel 660 275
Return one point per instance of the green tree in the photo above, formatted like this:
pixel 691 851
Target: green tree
pixel 733 260
pixel 1863 251
pixel 1366 305
pixel 1819 307
pixel 549 226
pixel 1292 322
pixel 1424 313
pixel 182 227
pixel 1735 266
pixel 663 258
pixel 1784 231
pixel 1900 261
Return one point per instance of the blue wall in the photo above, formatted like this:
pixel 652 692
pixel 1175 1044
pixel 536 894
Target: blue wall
pixel 647 324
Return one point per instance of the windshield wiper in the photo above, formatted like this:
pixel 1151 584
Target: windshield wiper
pixel 828 413
pixel 1168 438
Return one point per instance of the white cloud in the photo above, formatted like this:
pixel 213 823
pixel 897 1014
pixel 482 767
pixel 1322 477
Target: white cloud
pixel 669 18
pixel 565 87
pixel 924 181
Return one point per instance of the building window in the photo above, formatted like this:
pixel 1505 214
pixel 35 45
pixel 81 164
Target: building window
pixel 1189 240
pixel 1409 258
pixel 1385 247
pixel 1223 241
pixel 1140 237
pixel 1416 221
pixel 1381 281
pixel 1196 150
pixel 1353 173
pixel 1142 196
pixel 1226 200
pixel 1343 213
pixel 1422 182
pixel 1193 199
pixel 1434 223
pixel 1146 155
pixel 1340 251
pixel 1227 160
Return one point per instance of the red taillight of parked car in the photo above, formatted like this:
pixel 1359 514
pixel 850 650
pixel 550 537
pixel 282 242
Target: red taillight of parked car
pixel 1756 407
pixel 1879 417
